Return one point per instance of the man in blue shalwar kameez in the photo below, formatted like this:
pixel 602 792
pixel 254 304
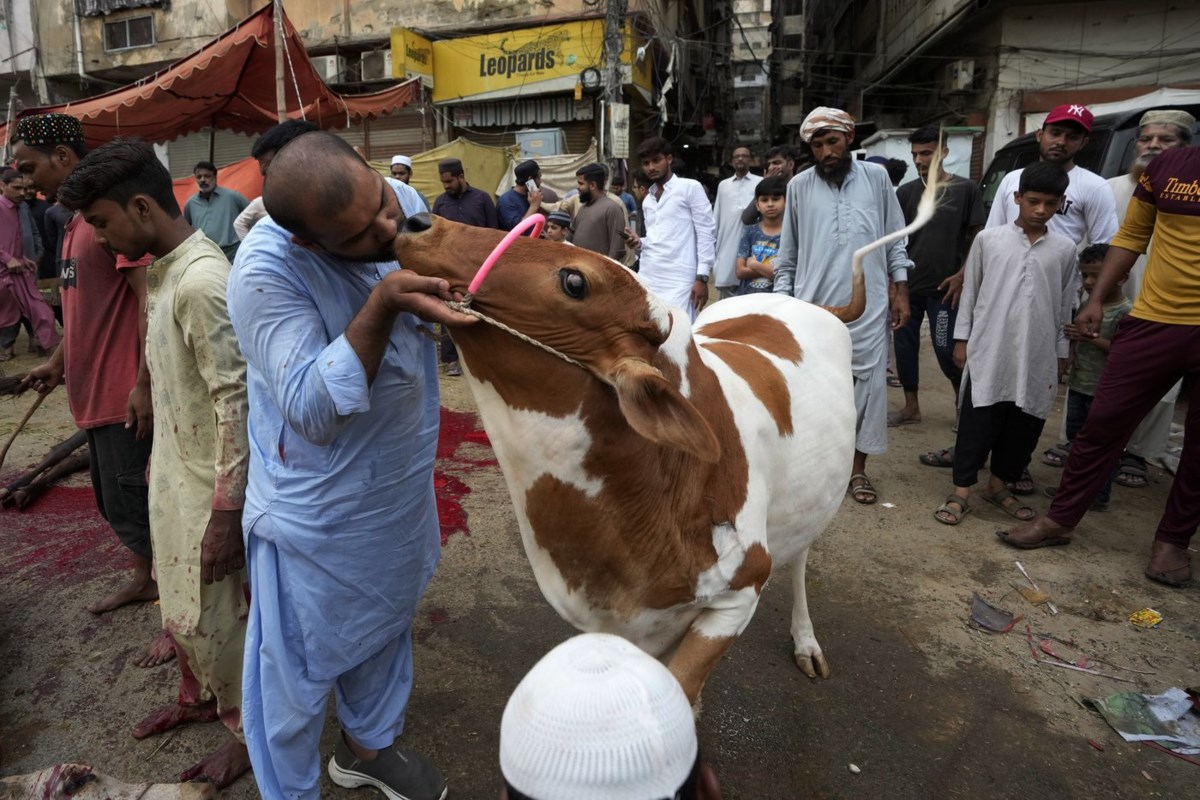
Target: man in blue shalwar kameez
pixel 340 519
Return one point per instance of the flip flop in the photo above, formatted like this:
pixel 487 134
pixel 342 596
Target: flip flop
pixel 1131 473
pixel 1014 510
pixel 897 418
pixel 1056 456
pixel 955 516
pixel 1024 486
pixel 864 488
pixel 938 458
pixel 1180 578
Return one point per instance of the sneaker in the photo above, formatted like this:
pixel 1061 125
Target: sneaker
pixel 399 774
pixel 453 369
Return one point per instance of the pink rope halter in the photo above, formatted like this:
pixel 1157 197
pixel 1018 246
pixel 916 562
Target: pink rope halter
pixel 534 221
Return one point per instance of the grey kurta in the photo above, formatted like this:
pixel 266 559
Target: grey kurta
pixel 822 227
pixel 1016 298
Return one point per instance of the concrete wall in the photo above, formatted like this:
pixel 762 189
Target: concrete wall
pixel 1099 44
pixel 323 23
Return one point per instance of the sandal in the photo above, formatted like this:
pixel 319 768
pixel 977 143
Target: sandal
pixel 1131 473
pixel 938 458
pixel 1015 509
pixel 1024 486
pixel 946 508
pixel 864 492
pixel 1056 456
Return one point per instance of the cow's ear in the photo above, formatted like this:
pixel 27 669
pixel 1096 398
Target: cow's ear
pixel 655 409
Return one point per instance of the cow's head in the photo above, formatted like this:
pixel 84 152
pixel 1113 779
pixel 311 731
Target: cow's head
pixel 572 300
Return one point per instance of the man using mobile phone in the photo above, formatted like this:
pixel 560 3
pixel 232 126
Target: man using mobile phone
pixel 524 198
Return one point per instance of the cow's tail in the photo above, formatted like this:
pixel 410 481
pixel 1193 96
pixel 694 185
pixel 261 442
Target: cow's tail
pixel 858 293
pixel 925 209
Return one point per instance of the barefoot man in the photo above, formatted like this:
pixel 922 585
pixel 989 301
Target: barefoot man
pixel 198 476
pixel 102 353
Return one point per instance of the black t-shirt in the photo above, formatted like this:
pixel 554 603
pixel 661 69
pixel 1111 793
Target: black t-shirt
pixel 939 249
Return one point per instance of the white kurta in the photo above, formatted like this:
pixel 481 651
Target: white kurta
pixel 733 195
pixel 822 227
pixel 1016 298
pixel 1087 215
pixel 678 244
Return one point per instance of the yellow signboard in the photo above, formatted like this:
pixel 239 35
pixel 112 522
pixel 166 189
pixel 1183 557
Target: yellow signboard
pixel 412 56
pixel 529 61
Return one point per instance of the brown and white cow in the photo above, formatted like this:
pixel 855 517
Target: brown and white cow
pixel 659 480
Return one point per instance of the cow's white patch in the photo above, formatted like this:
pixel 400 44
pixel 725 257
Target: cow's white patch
pixel 677 347
pixel 731 552
pixel 728 614
pixel 659 313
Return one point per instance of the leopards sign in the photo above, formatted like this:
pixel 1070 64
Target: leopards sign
pixel 531 61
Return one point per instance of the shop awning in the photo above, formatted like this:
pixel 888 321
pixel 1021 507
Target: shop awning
pixel 229 83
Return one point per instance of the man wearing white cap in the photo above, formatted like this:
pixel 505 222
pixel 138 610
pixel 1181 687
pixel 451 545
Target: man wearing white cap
pixel 402 167
pixel 833 209
pixel 598 719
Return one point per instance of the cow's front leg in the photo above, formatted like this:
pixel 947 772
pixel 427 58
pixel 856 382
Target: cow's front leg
pixel 809 657
pixel 709 636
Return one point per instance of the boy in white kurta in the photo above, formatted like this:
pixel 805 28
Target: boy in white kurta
pixel 1019 284
pixel 198 472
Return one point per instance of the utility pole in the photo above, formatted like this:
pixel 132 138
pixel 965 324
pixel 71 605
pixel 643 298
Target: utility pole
pixel 280 44
pixel 614 43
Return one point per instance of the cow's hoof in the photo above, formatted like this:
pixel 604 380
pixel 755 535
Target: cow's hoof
pixel 813 665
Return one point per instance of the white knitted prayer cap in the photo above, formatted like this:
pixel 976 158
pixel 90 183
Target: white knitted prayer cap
pixel 597 719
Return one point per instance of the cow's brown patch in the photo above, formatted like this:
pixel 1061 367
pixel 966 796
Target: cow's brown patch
pixel 765 380
pixel 754 571
pixel 604 552
pixel 758 330
pixel 694 659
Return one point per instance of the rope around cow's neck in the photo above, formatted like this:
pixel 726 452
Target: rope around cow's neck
pixel 536 222
pixel 465 308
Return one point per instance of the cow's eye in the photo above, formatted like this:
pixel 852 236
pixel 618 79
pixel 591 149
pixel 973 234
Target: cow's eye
pixel 574 285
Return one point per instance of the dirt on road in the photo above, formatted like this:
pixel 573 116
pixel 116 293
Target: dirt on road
pixel 920 702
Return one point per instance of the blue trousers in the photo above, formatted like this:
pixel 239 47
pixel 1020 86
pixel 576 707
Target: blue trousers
pixel 908 339
pixel 283 709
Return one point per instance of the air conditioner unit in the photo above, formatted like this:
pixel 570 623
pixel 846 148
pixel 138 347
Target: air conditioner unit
pixel 960 75
pixel 332 69
pixel 376 66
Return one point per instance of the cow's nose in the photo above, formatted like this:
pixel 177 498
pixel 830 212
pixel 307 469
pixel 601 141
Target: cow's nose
pixel 417 223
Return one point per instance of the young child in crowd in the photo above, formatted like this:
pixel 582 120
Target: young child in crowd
pixel 1019 284
pixel 1090 357
pixel 760 241
pixel 558 225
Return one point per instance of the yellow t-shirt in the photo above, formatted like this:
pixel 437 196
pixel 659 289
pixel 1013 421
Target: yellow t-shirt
pixel 1166 205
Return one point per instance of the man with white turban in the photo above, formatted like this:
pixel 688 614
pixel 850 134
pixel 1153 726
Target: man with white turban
pixel 833 209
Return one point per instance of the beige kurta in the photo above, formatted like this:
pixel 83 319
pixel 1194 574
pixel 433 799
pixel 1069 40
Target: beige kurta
pixel 200 452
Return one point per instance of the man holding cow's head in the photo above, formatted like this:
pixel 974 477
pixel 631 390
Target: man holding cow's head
pixel 342 388
pixel 815 258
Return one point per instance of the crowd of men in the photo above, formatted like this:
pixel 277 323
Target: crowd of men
pixel 273 360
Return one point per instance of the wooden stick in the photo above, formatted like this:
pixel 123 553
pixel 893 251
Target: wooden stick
pixel 20 426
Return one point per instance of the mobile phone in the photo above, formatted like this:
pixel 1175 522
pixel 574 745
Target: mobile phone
pixel 531 185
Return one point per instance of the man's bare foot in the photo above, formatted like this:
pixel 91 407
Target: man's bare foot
pixel 136 591
pixel 222 766
pixel 1039 532
pixel 160 651
pixel 1169 565
pixel 173 715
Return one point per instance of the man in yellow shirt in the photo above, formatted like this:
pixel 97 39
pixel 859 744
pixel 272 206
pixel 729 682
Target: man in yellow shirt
pixel 1156 345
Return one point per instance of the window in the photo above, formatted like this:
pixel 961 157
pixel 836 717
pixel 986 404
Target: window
pixel 128 33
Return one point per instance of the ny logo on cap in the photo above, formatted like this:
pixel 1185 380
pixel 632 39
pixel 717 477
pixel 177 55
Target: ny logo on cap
pixel 1076 111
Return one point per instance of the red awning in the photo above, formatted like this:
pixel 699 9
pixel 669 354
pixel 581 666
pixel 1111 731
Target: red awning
pixel 230 84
